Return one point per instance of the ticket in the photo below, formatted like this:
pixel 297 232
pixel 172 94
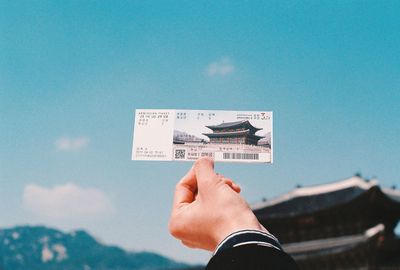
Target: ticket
pixel 186 135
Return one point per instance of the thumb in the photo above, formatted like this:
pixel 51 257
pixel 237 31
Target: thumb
pixel 204 170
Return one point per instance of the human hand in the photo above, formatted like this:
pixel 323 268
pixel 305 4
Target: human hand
pixel 207 207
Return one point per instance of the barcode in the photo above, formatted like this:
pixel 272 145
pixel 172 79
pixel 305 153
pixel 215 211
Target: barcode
pixel 252 156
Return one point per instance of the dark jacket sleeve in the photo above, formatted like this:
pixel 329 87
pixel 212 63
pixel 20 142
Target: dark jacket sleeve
pixel 251 257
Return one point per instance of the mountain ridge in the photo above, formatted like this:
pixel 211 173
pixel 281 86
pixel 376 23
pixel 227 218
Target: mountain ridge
pixel 44 248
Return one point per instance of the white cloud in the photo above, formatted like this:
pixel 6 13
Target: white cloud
pixel 71 144
pixel 221 67
pixel 65 202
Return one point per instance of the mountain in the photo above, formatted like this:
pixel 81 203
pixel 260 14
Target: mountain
pixel 180 136
pixel 42 248
pixel 266 140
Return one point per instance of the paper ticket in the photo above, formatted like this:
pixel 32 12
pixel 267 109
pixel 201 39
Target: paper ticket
pixel 186 135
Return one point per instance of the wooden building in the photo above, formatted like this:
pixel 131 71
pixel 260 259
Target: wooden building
pixel 239 132
pixel 347 224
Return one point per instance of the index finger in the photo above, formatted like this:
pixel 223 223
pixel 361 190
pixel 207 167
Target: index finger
pixel 185 190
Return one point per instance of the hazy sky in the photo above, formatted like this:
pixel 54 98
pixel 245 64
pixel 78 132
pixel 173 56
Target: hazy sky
pixel 72 73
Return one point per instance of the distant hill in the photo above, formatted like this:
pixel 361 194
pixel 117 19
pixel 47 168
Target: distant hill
pixel 42 248
pixel 266 140
pixel 180 136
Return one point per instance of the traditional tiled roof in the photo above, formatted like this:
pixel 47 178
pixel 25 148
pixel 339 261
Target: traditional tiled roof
pixel 231 134
pixel 306 249
pixel 343 224
pixel 245 123
pixel 305 200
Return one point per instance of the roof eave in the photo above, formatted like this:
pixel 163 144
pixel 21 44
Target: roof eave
pixel 316 190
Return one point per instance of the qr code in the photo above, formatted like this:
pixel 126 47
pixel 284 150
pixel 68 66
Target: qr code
pixel 180 153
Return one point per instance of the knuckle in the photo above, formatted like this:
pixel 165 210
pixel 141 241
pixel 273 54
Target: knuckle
pixel 174 228
pixel 188 244
pixel 227 180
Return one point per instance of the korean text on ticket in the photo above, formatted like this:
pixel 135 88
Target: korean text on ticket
pixel 234 136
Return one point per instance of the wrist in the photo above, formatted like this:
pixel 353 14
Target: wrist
pixel 245 222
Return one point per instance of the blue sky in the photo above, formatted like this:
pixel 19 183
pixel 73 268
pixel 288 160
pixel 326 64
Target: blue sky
pixel 72 73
